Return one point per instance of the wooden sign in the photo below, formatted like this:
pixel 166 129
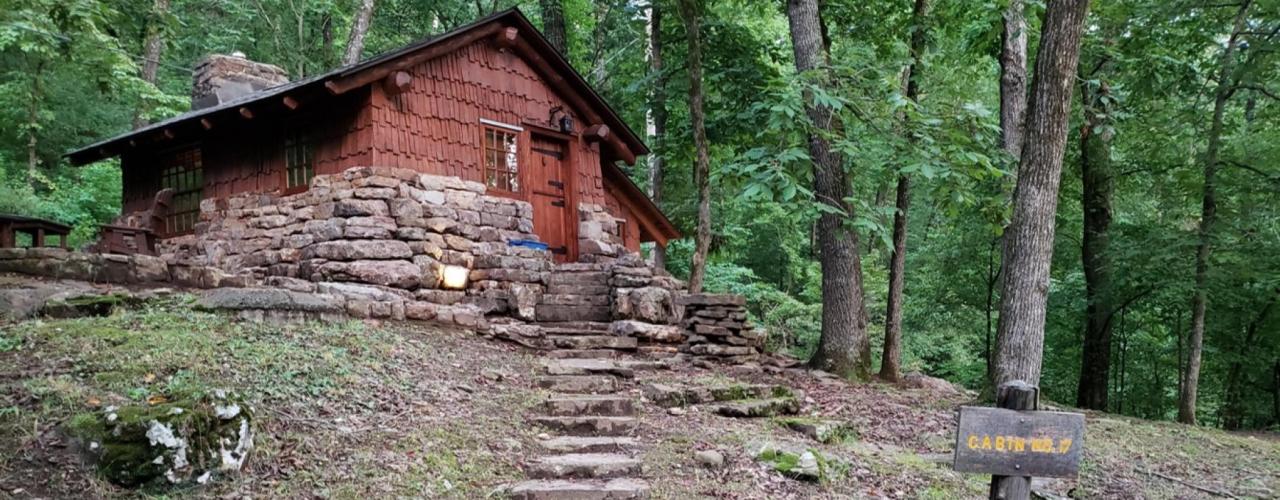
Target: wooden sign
pixel 1019 443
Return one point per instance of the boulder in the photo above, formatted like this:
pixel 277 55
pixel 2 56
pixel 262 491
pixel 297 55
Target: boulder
pixel 268 299
pixel 181 441
pixel 649 331
pixel 649 304
pixel 393 273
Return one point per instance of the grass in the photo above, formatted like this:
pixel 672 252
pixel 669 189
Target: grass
pixel 348 409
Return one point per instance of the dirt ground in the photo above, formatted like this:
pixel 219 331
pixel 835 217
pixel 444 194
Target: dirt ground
pixel 357 410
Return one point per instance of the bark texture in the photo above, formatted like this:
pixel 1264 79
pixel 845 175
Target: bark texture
pixel 657 119
pixel 1097 177
pixel 891 357
pixel 1029 239
pixel 152 48
pixel 359 28
pixel 1013 78
pixel 701 173
pixel 1208 216
pixel 553 24
pixel 842 348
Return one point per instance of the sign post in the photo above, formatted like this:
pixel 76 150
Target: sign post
pixel 1014 442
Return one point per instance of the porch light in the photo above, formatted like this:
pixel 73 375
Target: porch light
pixel 454 277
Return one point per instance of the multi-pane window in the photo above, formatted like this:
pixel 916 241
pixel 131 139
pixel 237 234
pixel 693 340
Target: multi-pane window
pixel 181 171
pixel 298 164
pixel 500 165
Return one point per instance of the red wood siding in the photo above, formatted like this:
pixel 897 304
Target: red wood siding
pixel 435 127
pixel 248 155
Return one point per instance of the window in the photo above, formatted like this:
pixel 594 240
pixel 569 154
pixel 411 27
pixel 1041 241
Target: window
pixel 182 171
pixel 500 164
pixel 298 165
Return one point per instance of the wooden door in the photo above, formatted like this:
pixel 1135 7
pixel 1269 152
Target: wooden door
pixel 548 163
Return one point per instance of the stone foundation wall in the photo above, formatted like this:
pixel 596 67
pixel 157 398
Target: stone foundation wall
pixel 598 235
pixel 116 269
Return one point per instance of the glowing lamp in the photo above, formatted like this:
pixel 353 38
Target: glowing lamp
pixel 454 277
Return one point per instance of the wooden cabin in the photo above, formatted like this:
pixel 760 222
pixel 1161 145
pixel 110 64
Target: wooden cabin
pixel 490 102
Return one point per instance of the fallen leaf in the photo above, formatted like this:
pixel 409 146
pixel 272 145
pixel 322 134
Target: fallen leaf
pixel 156 399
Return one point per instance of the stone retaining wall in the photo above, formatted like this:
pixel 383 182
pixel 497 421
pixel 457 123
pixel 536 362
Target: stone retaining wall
pixel 716 325
pixel 117 269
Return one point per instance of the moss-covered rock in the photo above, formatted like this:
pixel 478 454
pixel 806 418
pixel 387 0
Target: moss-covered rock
pixel 179 441
pixel 821 430
pixel 793 461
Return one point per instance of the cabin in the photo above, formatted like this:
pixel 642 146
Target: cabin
pixel 491 103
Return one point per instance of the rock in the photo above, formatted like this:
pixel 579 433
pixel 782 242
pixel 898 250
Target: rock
pixel 179 442
pixel 648 331
pixel 713 299
pixel 268 299
pixel 614 489
pixel 77 305
pixel 393 273
pixel 649 304
pixel 792 461
pixel 709 458
pixel 755 408
pixel 588 426
pixel 820 430
pixel 922 381
pixel 675 411
pixel 583 465
pixel 358 249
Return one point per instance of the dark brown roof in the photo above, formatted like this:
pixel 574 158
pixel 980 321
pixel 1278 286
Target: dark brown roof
pixel 512 17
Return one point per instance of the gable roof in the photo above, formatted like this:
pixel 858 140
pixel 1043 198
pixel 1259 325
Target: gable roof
pixel 531 44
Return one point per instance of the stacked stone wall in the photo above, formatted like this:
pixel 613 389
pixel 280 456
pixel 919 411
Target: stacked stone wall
pixel 599 237
pixel 716 326
pixel 115 269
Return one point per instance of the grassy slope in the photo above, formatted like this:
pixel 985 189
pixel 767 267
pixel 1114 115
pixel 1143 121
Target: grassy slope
pixel 351 410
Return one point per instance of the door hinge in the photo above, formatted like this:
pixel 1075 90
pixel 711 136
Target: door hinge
pixel 562 250
pixel 557 203
pixel 556 184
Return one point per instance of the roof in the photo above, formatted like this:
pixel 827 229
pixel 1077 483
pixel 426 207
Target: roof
pixel 509 18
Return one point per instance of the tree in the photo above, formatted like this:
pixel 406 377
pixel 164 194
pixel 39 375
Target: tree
pixel 701 174
pixel 1208 216
pixel 1029 238
pixel 152 48
pixel 1013 78
pixel 553 24
pixel 656 121
pixel 842 346
pixel 359 28
pixel 891 359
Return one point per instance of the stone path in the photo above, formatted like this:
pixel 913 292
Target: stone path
pixel 591 454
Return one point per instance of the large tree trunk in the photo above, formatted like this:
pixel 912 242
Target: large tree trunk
pixel 151 51
pixel 1029 239
pixel 33 122
pixel 657 119
pixel 1208 215
pixel 553 24
pixel 1013 78
pixel 359 28
pixel 701 172
pixel 1233 411
pixel 891 357
pixel 843 347
pixel 1095 171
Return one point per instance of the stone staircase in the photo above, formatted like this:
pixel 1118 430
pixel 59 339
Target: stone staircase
pixel 576 292
pixel 589 418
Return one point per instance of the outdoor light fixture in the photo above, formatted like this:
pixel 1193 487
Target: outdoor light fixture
pixel 454 277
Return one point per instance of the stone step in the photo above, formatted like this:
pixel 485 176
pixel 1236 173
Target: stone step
pixel 557 312
pixel 583 466
pixel 582 354
pixel 588 426
pixel 574 328
pixel 588 444
pixel 754 408
pixel 578 384
pixel 574 299
pixel 598 289
pixel 587 367
pixel 592 342
pixel 578 278
pixel 556 489
pixel 574 406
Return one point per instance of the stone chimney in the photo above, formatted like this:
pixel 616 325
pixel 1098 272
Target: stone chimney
pixel 223 78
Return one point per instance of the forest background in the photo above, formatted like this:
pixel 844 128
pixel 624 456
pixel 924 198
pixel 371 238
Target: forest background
pixel 1137 177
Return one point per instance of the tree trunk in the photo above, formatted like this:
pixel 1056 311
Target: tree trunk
pixel 657 119
pixel 891 358
pixel 151 51
pixel 1208 214
pixel 359 28
pixel 326 41
pixel 1029 239
pixel 842 348
pixel 701 172
pixel 1233 410
pixel 1095 171
pixel 33 122
pixel 553 24
pixel 1013 78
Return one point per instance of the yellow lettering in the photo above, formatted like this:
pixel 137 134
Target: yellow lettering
pixel 986 442
pixel 1019 444
pixel 1064 444
pixel 1042 445
pixel 1000 443
pixel 973 442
